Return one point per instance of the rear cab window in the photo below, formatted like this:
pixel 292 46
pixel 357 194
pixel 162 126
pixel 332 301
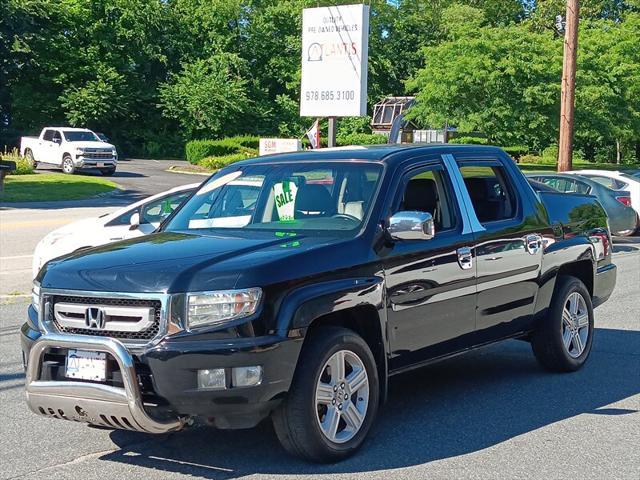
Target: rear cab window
pixel 491 190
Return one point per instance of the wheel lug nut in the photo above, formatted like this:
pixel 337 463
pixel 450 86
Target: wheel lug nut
pixel 333 402
pixel 339 406
pixel 335 388
pixel 342 385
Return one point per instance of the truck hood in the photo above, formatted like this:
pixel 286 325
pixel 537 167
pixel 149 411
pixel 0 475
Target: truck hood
pixel 91 145
pixel 180 262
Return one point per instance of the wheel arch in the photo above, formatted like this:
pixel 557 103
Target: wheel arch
pixel 357 304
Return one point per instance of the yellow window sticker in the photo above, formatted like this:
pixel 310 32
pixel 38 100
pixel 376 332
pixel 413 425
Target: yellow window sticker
pixel 285 198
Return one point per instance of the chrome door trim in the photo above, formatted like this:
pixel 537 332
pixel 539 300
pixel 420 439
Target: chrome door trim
pixel 470 222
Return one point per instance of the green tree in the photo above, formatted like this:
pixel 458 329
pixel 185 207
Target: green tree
pixel 208 97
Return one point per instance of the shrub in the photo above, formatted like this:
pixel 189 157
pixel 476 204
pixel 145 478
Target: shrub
pixel 517 151
pixel 361 139
pixel 470 140
pixel 23 166
pixel 550 154
pixel 216 163
pixel 531 159
pixel 196 150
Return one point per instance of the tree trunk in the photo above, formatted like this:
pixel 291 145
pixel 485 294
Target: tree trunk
pixel 618 152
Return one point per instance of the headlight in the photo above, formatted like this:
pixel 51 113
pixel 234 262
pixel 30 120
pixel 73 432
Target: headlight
pixel 35 296
pixel 79 151
pixel 114 152
pixel 216 308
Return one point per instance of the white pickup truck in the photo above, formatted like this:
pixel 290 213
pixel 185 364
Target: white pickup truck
pixel 71 149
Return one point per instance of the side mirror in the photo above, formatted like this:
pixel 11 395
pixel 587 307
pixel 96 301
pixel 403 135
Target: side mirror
pixel 134 221
pixel 57 140
pixel 411 226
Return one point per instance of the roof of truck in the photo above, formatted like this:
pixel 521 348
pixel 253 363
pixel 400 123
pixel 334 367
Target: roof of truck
pixel 69 129
pixel 374 153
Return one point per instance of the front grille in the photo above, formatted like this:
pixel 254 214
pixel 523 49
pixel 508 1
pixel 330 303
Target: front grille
pixel 98 155
pixel 146 334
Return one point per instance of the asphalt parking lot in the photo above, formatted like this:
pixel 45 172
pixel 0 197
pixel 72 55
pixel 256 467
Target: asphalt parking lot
pixel 491 414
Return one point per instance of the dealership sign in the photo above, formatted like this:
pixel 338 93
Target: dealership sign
pixel 279 145
pixel 335 43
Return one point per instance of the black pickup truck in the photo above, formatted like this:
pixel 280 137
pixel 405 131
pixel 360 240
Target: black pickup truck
pixel 293 286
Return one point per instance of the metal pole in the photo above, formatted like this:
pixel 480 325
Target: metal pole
pixel 567 98
pixel 331 135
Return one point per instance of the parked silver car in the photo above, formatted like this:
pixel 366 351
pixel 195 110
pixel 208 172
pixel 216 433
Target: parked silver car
pixel 622 218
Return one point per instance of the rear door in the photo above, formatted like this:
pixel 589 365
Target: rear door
pixel 431 284
pixel 508 245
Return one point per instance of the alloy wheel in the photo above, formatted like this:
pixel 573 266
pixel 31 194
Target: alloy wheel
pixel 342 396
pixel 575 325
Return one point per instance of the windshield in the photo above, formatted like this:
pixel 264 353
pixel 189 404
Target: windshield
pixel 317 197
pixel 79 136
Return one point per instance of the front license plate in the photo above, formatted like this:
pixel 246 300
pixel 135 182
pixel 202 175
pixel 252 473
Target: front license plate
pixel 101 164
pixel 86 365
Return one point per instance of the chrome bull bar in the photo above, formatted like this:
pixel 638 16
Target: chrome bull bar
pixel 94 403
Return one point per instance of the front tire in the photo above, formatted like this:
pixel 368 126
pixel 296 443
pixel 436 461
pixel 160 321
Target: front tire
pixel 67 165
pixel 333 399
pixel 563 339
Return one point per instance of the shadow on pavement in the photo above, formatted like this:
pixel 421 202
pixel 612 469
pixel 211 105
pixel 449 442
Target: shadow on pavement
pixel 456 407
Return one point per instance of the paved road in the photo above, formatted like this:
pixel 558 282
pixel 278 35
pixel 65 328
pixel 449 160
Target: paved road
pixel 22 226
pixel 492 414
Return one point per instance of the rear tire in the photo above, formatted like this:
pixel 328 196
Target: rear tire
pixel 333 399
pixel 562 342
pixel 67 165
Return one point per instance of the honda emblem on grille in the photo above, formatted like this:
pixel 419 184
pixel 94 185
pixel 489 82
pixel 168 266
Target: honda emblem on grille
pixel 95 318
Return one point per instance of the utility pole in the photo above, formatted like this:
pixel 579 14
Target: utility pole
pixel 567 98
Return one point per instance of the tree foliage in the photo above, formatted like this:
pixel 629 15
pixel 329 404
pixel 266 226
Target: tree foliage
pixel 153 74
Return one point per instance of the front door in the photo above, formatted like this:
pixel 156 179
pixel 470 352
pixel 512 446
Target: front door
pixel 431 285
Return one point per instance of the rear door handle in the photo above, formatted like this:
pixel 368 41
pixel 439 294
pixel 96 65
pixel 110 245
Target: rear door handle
pixel 465 258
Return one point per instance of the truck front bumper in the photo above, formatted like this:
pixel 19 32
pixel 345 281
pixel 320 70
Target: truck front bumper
pixel 85 162
pixel 170 395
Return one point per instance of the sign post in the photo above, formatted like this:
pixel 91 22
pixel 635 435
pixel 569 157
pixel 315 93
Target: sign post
pixel 335 51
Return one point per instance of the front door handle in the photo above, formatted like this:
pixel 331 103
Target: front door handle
pixel 533 243
pixel 465 258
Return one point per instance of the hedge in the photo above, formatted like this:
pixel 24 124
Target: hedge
pixel 196 150
pixel 469 140
pixel 215 163
pixel 361 139
pixel 516 151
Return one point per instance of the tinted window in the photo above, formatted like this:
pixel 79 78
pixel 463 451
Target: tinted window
pixel 48 135
pixel 74 136
pixel 490 191
pixel 429 191
pixel 608 182
pixel 56 136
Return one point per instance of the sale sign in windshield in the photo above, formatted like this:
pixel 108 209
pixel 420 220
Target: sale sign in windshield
pixel 335 43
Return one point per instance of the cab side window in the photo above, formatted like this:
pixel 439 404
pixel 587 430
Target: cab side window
pixel 48 135
pixel 490 191
pixel 428 191
pixel 56 137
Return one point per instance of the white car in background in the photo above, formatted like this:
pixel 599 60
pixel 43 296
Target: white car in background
pixel 615 181
pixel 135 220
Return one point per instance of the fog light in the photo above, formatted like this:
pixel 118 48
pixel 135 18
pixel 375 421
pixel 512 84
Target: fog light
pixel 246 376
pixel 213 379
